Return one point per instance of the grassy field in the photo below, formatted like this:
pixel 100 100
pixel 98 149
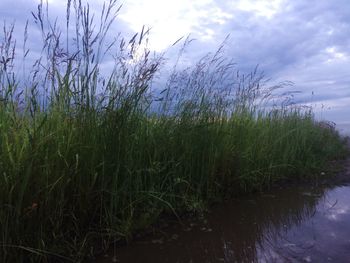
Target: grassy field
pixel 89 157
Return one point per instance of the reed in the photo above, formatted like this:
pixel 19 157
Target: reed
pixel 90 156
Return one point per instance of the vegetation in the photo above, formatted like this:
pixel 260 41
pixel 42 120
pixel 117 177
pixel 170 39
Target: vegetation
pixel 89 155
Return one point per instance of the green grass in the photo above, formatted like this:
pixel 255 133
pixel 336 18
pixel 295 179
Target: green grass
pixel 87 159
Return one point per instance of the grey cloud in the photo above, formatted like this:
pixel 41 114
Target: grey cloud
pixel 293 44
pixel 299 32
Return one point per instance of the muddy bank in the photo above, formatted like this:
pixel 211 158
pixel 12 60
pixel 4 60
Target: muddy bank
pixel 299 222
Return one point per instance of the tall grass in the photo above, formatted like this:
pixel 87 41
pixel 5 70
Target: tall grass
pixel 89 157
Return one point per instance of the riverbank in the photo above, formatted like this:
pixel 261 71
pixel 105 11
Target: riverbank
pixel 337 172
pixel 63 201
pixel 294 223
pixel 90 157
pixel 162 241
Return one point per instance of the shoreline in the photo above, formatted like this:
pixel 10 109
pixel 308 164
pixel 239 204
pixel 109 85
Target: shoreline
pixel 337 175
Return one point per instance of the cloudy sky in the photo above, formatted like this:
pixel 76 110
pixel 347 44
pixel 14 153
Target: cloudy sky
pixel 306 42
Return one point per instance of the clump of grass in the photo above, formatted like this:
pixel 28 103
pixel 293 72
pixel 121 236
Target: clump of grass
pixel 88 157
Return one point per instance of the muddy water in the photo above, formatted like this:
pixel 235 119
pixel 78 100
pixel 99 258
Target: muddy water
pixel 298 224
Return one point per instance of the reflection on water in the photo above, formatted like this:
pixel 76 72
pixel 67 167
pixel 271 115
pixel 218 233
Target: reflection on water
pixel 299 224
pixel 344 128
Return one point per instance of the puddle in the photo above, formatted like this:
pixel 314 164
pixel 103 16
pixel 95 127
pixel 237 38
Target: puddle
pixel 299 224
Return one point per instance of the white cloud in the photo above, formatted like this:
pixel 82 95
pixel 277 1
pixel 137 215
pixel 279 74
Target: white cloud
pixel 264 8
pixel 334 54
pixel 169 20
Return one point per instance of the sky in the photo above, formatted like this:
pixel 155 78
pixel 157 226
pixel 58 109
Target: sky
pixel 305 42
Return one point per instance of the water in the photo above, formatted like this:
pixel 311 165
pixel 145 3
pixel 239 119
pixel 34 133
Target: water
pixel 344 128
pixel 297 224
